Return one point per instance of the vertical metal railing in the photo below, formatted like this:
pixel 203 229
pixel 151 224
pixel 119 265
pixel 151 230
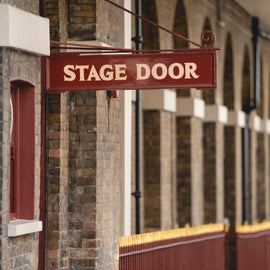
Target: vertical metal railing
pixel 187 248
pixel 205 247
pixel 253 246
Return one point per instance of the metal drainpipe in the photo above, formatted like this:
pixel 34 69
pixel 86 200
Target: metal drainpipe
pixel 137 194
pixel 245 169
pixel 248 109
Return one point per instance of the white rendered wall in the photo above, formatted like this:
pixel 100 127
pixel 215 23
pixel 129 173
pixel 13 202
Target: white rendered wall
pixel 23 30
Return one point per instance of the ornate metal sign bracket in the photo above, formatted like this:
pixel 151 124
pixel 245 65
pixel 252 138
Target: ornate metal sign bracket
pixel 205 37
pixel 96 68
pixel 208 40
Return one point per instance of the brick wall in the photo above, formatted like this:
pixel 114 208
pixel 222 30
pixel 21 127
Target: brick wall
pixel 83 187
pixel 26 5
pixel 108 22
pixel 22 251
pixel 57 182
pixel 84 217
pixel 261 183
pixel 197 171
pixel 150 33
pixel 183 171
pixel 253 139
pixel 57 12
pixel 229 174
pixel 108 193
pixel 209 161
pixel 167 178
pixel 158 170
pixel 152 170
pixel 82 180
pixel 189 171
pixel 180 26
pixel 82 19
pixel 214 152
pixel 230 189
pixel 83 144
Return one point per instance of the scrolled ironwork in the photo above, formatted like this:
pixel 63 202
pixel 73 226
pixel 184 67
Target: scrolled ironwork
pixel 208 38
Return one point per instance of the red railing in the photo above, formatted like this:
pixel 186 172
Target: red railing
pixel 188 249
pixel 253 247
pixel 205 247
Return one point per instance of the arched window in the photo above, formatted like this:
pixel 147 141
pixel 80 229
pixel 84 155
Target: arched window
pixel 180 27
pixel 228 91
pixel 208 96
pixel 22 150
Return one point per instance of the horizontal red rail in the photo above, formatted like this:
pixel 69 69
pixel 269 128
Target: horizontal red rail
pixel 171 245
pixel 249 249
pixel 253 249
pixel 203 251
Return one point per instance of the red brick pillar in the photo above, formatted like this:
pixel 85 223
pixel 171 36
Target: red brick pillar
pixel 254 126
pixel 261 179
pixel 189 132
pixel 168 171
pixel 210 196
pixel 230 141
pixel 57 182
pixel 152 170
pixel 159 160
pixel 257 169
pixel 215 118
pixel 158 170
pixel 94 152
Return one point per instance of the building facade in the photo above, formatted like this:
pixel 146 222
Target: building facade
pixel 68 160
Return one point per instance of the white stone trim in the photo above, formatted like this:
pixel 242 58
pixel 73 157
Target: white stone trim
pixel 267 126
pixel 255 122
pixel 169 101
pixel 88 43
pixel 216 113
pixel 159 100
pixel 23 226
pixel 23 30
pixel 236 118
pixel 134 97
pixel 125 152
pixel 189 106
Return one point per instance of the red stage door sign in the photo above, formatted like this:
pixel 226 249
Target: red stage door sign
pixel 188 69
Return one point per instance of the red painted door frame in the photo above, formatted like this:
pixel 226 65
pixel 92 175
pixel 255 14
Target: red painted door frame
pixel 42 203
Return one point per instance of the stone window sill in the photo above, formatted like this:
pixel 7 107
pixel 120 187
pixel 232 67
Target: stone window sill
pixel 22 226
